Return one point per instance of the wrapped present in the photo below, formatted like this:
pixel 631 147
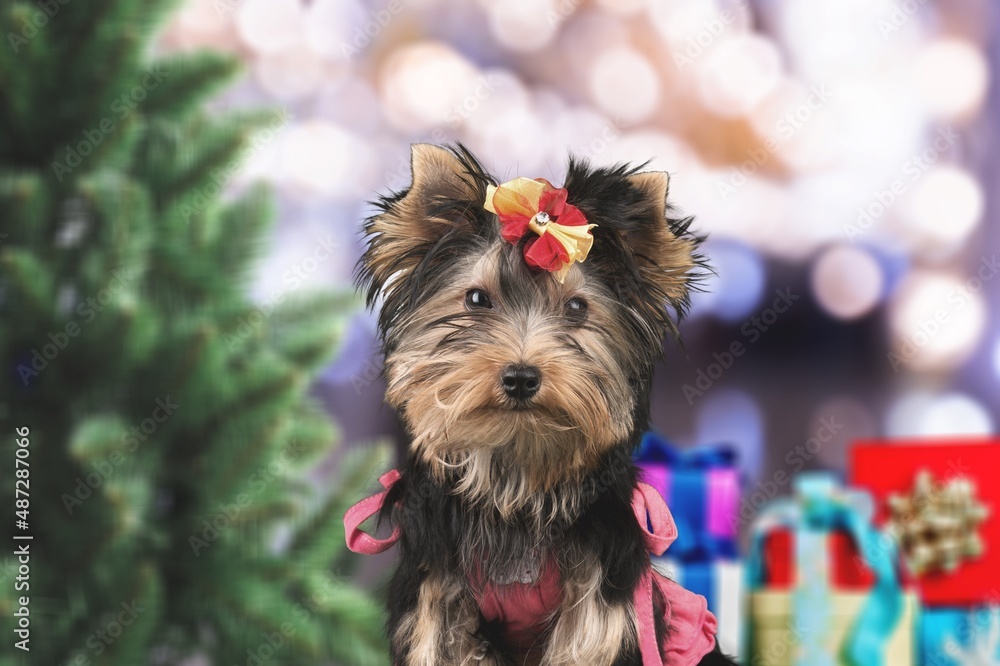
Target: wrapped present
pixel 960 636
pixel 702 489
pixel 939 499
pixel 805 618
pixel 721 583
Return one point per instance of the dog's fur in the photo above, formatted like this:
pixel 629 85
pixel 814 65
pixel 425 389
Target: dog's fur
pixel 491 485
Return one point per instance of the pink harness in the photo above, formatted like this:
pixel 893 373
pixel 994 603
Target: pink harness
pixel 693 627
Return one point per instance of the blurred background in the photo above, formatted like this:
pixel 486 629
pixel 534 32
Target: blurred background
pixel 838 153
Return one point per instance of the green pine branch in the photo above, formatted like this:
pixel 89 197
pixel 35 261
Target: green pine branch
pixel 123 269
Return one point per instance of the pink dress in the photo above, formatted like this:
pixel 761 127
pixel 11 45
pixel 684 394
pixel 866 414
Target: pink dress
pixel 525 609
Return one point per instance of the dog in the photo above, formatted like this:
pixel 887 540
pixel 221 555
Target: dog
pixel 520 324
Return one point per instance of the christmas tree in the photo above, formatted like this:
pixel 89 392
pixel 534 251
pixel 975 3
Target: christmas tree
pixel 160 421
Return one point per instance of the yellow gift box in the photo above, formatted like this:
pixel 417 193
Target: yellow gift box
pixel 773 638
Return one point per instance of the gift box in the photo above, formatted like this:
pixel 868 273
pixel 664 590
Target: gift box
pixel 941 500
pixel 845 572
pixel 702 489
pixel 721 583
pixel 960 636
pixel 807 604
pixel 775 640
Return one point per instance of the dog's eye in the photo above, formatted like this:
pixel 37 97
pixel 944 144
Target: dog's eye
pixel 576 308
pixel 477 298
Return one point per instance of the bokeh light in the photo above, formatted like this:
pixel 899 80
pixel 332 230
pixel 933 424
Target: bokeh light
pixel 943 207
pixel 624 84
pixel 847 282
pixel 270 26
pixel 523 25
pixel 952 76
pixel 738 74
pixel 323 159
pixel 735 289
pixel 937 319
pixel 292 73
pixel 423 85
pixel 926 414
pixel 332 26
pixel 733 417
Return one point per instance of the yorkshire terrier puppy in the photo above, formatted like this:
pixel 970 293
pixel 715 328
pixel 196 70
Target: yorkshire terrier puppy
pixel 520 366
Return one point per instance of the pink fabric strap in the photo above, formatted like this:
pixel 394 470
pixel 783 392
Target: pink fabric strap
pixel 649 508
pixel 647 503
pixel 361 542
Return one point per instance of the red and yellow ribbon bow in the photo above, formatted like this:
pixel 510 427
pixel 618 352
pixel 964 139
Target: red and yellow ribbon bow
pixel 563 233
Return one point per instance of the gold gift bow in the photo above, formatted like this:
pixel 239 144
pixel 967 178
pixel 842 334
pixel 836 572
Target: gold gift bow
pixel 937 524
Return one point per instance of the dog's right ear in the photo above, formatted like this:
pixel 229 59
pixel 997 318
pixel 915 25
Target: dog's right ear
pixel 413 222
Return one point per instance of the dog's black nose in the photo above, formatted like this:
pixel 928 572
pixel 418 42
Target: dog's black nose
pixel 521 381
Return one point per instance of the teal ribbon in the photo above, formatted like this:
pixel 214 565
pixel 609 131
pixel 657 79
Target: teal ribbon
pixel 821 507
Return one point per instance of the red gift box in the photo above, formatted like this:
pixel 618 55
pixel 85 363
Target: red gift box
pixel 885 468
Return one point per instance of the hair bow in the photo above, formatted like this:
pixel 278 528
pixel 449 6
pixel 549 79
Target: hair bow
pixel 524 204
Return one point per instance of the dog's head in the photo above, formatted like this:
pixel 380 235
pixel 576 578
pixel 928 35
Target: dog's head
pixel 492 362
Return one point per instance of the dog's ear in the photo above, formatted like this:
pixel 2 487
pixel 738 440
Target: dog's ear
pixel 665 250
pixel 439 173
pixel 412 223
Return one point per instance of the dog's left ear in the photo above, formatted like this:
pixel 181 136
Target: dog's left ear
pixel 666 252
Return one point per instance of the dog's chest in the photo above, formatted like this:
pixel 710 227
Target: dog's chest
pixel 525 571
pixel 525 606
